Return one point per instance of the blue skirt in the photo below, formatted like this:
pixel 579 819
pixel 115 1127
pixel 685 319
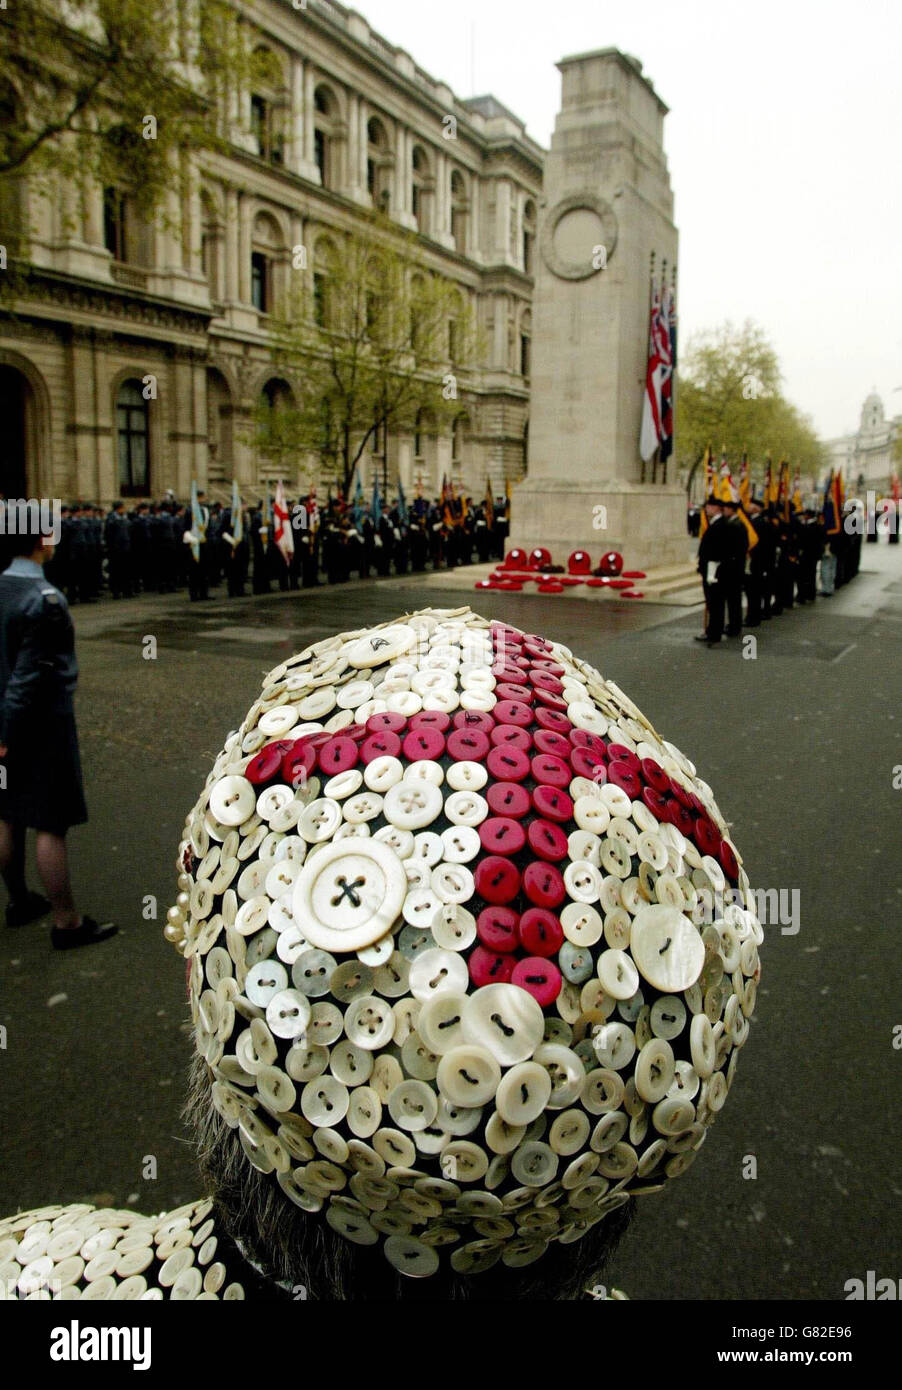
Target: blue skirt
pixel 44 789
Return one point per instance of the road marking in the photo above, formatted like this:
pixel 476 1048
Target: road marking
pixel 845 651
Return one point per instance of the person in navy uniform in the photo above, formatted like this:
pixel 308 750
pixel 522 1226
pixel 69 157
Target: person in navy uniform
pixel 41 787
pixel 715 553
pixel 117 534
pixel 758 581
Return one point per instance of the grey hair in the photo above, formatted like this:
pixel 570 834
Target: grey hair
pixel 301 1249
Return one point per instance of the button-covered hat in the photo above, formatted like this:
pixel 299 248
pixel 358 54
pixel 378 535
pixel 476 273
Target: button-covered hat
pixel 471 951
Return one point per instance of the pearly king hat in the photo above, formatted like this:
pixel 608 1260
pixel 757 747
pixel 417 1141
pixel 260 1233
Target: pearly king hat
pixel 471 952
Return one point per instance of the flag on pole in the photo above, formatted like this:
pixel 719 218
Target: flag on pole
pixel 744 480
pixel 769 492
pixel 783 490
pixel 402 503
pixel 282 534
pixel 650 434
pixel 489 505
pixel 832 519
pixel 237 515
pixel 709 490
pixel 797 492
pixel 669 327
pixel 728 492
pixel 357 509
pixel 196 534
pixel 376 504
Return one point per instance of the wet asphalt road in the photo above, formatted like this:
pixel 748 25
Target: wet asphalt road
pixel 799 745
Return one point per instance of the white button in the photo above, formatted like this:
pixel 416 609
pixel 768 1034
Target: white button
pixel 614 1045
pixel 420 907
pixel 401 841
pixel 523 1093
pixel 463 1161
pixel 618 926
pixel 411 1257
pixel 616 799
pixel 287 1012
pixel 615 857
pixel 265 980
pixel 440 972
pixel 406 702
pixel 624 831
pixel 233 800
pixel 369 1022
pixel 581 924
pixel 668 1017
pixel 466 808
pixel 413 1106
pixel 667 948
pixel 412 805
pixel 440 1022
pixel 453 927
pixel 702 1046
pixel 427 847
pixel 363 807
pixel 479 699
pixel 654 1070
pixel 506 1020
pixel 354 694
pixel 381 646
pixel 566 1071
pixel 468 1075
pixel 467 776
pixel 583 881
pixel 318 704
pixel 460 844
pixel 349 894
pixel 585 716
pixel 569 1132
pixel 582 844
pixel 281 878
pixel 324 1101
pixel 452 883
pixel 618 974
pixel 444 698
pixel 320 820
pixel 427 680
pixel 591 814
pixel 652 850
pixel 383 773
pixel 534 1164
pixel 425 770
pixel 602 1090
pixel 343 784
pixel 275 723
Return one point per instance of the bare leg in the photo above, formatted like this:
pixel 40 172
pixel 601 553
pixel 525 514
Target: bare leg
pixel 53 866
pixel 12 860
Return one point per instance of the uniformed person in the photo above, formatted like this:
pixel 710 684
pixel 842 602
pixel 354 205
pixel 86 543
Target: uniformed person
pixel 716 549
pixel 734 571
pixel 384 542
pixel 760 563
pixel 812 543
pixel 42 786
pixel 117 536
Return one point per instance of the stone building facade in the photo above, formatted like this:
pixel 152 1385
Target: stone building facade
pixel 867 456
pixel 137 354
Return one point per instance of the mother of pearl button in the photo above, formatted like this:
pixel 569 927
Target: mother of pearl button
pixel 349 894
pixel 667 948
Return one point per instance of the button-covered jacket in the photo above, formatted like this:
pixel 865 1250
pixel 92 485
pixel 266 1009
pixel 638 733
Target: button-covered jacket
pixel 38 668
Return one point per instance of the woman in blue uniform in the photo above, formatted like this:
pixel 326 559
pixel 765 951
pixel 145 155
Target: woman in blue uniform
pixel 40 785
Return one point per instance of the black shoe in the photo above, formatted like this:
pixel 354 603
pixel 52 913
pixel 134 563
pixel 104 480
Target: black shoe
pixel 89 933
pixel 709 641
pixel 28 909
pixel 736 632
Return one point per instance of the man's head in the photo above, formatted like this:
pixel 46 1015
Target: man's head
pixel 468 972
pixel 713 507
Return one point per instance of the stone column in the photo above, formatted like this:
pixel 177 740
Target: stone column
pixel 244 249
pixel 403 173
pixel 502 220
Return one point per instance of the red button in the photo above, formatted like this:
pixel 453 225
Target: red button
pixel 423 743
pixel 468 745
pixel 553 803
pixel 508 764
pixel 386 744
pixel 619 775
pixel 553 719
pixel 501 835
pixel 549 742
pixel 509 690
pixel 541 663
pixel 548 841
pixel 431 719
pixel 540 932
pixel 655 802
pixel 513 712
pixel 489 967
pixel 507 673
pixel 707 837
pixel 728 861
pixel 510 735
pixel 497 880
pixel 378 723
pixel 543 883
pixel 474 719
pixel 543 680
pixel 299 763
pixel 497 928
pixel 540 978
pixel 681 817
pixel 623 755
pixel 357 732
pixel 583 738
pixel 507 799
pixel 552 771
pixel 655 775
pixel 584 762
pixel 683 796
pixel 266 764
pixel 551 701
pixel 337 755
pixel 536 646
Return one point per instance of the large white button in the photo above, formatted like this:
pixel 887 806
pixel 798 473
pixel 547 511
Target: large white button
pixel 468 1075
pixel 667 948
pixel 412 804
pixel 233 800
pixel 349 894
pixel 381 646
pixel 506 1020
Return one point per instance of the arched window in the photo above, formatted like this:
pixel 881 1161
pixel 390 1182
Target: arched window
pixel 267 105
pixel 418 435
pixel 325 118
pixel 421 190
pixel 525 343
pixel 460 211
pixel 133 440
pixel 529 236
pixel 125 233
pixel 219 427
pixel 378 164
pixel 266 253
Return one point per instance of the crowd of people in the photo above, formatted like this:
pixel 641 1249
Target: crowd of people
pixel 775 570
pixel 142 548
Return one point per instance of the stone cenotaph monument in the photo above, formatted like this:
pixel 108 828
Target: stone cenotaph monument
pixel 605 227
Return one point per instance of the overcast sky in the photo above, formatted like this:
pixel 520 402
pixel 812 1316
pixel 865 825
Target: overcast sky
pixel 783 141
